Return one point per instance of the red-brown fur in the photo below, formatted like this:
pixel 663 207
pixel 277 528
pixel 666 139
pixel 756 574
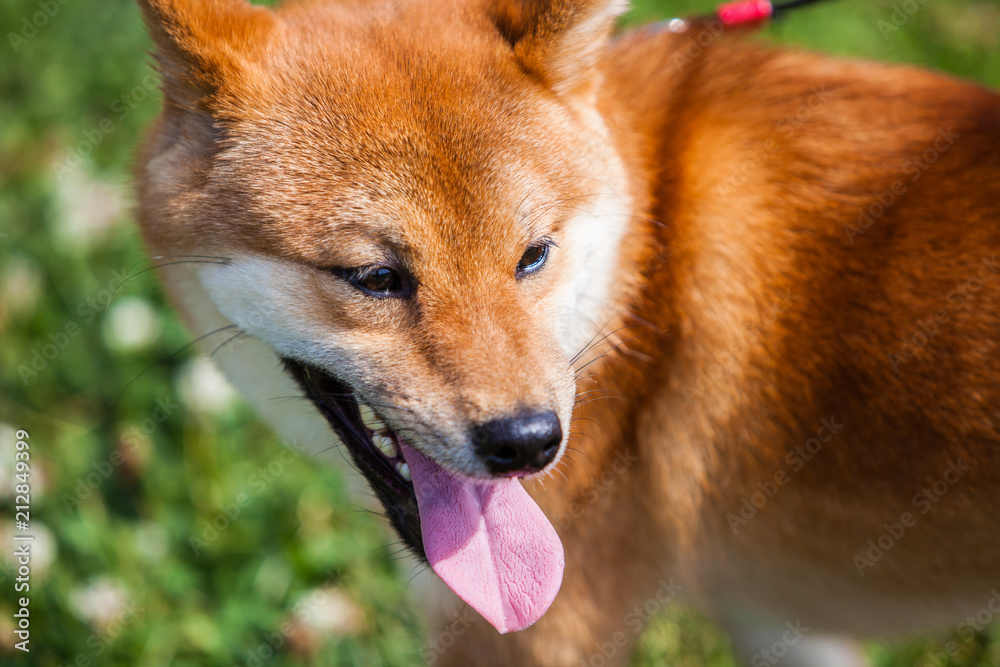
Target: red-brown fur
pixel 751 310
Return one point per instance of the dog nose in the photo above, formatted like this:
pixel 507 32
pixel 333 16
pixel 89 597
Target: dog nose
pixel 526 443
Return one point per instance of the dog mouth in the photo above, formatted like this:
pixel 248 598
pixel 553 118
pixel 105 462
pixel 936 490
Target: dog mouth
pixel 373 447
pixel 486 539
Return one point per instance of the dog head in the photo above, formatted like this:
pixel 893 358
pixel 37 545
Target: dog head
pixel 416 204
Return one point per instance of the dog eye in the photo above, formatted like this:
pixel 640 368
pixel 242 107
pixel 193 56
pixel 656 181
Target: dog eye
pixel 378 281
pixel 533 258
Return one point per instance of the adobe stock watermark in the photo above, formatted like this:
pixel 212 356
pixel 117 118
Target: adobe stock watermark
pixel 635 620
pixel 755 158
pixel 730 363
pixel 624 459
pixel 435 648
pixel 30 25
pixel 102 639
pixel 709 32
pixel 257 482
pixel 928 328
pixel 779 649
pixel 975 623
pixel 86 311
pixel 87 485
pixel 796 459
pixel 902 12
pixel 274 641
pixel 914 168
pixel 923 502
pixel 93 137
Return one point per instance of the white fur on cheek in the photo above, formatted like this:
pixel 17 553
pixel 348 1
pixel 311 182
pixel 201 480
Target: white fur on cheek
pixel 270 299
pixel 590 300
pixel 253 367
pixel 594 242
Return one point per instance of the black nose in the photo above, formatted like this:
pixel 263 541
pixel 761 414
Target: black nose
pixel 526 443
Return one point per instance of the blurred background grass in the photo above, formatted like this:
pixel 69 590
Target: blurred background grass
pixel 172 528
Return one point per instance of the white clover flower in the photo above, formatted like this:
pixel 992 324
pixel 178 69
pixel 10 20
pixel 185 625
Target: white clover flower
pixel 20 284
pixel 204 389
pixel 151 540
pixel 88 209
pixel 329 611
pixel 131 324
pixel 100 602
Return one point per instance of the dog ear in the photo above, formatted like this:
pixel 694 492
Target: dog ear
pixel 203 45
pixel 559 40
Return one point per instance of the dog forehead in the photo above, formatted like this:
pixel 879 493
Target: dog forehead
pixel 308 203
pixel 411 51
pixel 369 131
pixel 372 174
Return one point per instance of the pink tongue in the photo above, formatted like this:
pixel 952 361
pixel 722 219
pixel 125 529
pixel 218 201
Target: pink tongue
pixel 489 542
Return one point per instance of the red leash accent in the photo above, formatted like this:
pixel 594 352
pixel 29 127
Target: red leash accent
pixel 744 12
pixel 738 15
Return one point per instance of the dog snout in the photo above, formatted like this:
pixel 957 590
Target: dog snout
pixel 522 444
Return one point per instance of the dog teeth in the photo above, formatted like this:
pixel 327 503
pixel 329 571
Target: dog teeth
pixel 404 471
pixel 385 445
pixel 370 419
pixel 380 432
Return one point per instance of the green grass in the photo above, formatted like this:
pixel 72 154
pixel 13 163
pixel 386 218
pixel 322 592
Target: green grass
pixel 121 505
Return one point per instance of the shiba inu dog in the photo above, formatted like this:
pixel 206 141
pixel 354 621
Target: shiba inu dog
pixel 604 321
